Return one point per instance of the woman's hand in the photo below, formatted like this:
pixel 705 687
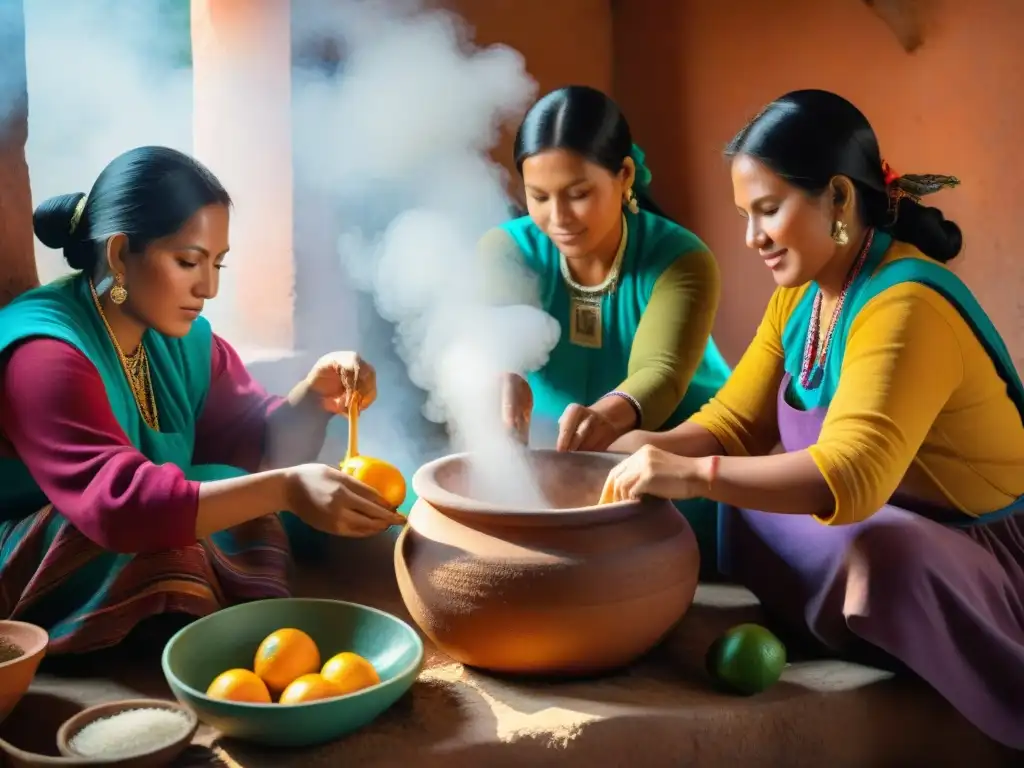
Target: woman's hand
pixel 337 376
pixel 654 472
pixel 584 429
pixel 516 406
pixel 327 499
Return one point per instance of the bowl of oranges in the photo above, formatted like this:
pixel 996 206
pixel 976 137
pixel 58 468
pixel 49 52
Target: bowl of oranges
pixel 292 672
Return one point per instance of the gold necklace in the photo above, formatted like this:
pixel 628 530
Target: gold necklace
pixel 136 370
pixel 135 361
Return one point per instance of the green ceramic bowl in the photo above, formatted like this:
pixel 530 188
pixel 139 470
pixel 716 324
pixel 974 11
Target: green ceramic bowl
pixel 229 639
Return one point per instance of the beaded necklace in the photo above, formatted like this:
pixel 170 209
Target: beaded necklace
pixel 815 349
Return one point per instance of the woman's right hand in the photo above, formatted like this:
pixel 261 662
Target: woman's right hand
pixel 327 499
pixel 516 405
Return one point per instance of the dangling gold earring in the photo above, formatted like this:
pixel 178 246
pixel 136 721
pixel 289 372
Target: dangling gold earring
pixel 839 233
pixel 118 293
pixel 631 202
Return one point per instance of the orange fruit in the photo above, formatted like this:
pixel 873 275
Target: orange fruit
pixel 350 671
pixel 286 655
pixel 384 478
pixel 239 685
pixel 310 688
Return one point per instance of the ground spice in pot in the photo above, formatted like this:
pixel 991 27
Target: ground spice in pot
pixel 9 651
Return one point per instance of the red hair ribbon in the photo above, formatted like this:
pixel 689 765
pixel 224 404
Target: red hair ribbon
pixel 890 175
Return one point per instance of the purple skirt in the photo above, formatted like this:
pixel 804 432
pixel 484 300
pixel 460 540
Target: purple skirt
pixel 945 602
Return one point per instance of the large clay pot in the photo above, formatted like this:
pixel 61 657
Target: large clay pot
pixel 573 589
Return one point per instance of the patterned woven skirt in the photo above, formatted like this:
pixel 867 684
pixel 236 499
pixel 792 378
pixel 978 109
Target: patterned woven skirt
pixel 89 598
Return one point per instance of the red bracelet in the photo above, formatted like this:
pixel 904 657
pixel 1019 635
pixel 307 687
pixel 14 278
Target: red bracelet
pixel 712 470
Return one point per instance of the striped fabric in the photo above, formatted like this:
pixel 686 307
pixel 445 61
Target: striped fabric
pixel 90 598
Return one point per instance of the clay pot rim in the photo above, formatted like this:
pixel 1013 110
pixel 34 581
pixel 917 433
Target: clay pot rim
pixel 40 640
pixel 426 487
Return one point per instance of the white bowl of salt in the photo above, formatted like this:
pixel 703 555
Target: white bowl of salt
pixel 136 733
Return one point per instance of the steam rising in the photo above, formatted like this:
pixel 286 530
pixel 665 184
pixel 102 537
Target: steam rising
pixel 409 122
pixel 103 76
pixel 393 141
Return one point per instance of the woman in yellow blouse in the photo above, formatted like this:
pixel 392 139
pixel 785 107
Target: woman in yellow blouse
pixel 868 451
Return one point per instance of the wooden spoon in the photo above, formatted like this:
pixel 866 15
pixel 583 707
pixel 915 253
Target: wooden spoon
pixel 384 478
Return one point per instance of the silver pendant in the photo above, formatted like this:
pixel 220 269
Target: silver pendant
pixel 585 324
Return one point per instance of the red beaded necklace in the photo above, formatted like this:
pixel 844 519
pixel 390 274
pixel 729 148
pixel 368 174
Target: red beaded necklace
pixel 813 364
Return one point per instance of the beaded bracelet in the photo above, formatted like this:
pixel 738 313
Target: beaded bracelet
pixel 632 401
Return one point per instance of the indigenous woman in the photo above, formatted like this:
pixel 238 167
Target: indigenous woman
pixel 889 521
pixel 634 292
pixel 144 468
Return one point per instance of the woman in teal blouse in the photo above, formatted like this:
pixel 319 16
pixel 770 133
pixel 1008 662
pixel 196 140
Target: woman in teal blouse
pixel 633 291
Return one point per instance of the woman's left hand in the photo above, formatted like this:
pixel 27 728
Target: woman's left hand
pixel 337 376
pixel 584 429
pixel 654 472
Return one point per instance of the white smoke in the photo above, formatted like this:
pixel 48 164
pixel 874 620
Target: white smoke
pixel 103 77
pixel 401 142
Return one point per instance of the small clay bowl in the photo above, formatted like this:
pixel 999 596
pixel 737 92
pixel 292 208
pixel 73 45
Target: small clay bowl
pixel 157 758
pixel 17 674
pixel 13 757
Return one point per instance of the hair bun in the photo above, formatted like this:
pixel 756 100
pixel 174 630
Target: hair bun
pixel 928 230
pixel 51 220
pixel 954 239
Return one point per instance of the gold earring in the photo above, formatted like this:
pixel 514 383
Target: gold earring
pixel 839 233
pixel 631 202
pixel 118 293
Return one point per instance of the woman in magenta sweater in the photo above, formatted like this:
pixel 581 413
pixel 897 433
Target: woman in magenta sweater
pixel 144 468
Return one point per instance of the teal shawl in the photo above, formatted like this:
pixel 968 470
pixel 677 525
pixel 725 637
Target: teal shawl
pixel 870 282
pixel 575 374
pixel 180 370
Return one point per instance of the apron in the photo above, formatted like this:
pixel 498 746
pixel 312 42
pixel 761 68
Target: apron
pixel 940 595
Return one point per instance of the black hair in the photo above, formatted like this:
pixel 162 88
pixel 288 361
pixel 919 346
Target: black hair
pixel 808 137
pixel 146 193
pixel 585 121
